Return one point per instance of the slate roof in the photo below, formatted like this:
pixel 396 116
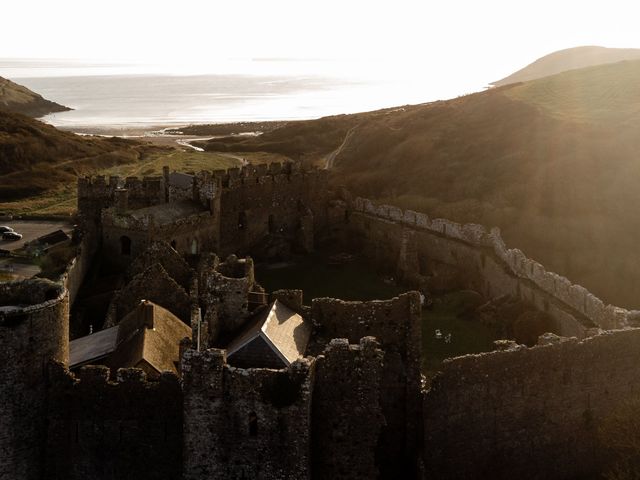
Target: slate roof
pixel 286 333
pixel 149 334
pixel 92 348
pixel 167 213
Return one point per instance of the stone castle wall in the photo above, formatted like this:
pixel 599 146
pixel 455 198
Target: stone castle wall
pixel 191 235
pixel 245 205
pixel 347 410
pixel 97 193
pixel 76 271
pixel 126 428
pixel 272 199
pixel 528 413
pixel 396 324
pixel 240 423
pixel 487 264
pixel 30 336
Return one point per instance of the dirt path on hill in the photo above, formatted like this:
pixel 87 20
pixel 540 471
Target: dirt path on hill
pixel 330 158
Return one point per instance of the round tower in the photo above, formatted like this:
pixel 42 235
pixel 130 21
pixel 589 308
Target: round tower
pixel 34 329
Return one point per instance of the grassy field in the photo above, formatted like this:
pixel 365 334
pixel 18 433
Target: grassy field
pixel 352 281
pixel 61 201
pixel 449 315
pixel 359 281
pixel 604 94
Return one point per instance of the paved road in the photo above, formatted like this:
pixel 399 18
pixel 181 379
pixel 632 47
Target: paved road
pixel 30 230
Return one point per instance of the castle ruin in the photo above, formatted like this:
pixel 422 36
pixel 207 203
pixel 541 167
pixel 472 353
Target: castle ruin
pixel 266 386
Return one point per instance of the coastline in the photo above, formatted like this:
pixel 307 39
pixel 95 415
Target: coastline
pixel 176 135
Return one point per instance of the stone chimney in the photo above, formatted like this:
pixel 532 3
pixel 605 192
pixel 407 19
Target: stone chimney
pixel 147 313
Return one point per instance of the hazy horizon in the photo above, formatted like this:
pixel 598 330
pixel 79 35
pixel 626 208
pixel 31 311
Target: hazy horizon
pixel 482 41
pixel 395 54
pixel 131 94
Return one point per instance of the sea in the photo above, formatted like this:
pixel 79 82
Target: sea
pixel 134 94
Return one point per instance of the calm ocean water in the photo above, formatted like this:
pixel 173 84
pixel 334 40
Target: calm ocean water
pixel 135 95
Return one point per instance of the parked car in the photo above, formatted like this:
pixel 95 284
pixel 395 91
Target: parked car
pixel 4 229
pixel 11 235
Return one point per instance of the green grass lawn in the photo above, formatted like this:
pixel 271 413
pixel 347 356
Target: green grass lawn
pixel 359 281
pixel 468 335
pixel 352 281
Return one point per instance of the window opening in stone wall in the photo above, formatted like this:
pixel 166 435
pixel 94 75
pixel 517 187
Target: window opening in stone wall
pixel 173 244
pixel 242 221
pixel 194 247
pixel 253 424
pixel 125 245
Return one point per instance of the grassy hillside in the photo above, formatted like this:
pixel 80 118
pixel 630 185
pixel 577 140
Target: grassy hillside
pixel 18 99
pixel 604 94
pixel 569 59
pixel 554 163
pixel 36 157
pixel 40 165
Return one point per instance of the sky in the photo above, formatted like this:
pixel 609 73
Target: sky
pixel 491 38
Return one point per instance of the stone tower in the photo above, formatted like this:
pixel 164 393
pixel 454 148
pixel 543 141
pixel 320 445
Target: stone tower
pixel 34 329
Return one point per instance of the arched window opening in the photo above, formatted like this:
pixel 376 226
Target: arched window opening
pixel 125 245
pixel 253 424
pixel 272 224
pixel 194 247
pixel 242 221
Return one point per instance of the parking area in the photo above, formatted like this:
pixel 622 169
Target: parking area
pixel 30 230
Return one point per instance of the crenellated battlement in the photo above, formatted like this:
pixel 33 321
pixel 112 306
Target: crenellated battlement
pixel 93 416
pixel 514 260
pixel 245 415
pixel 272 173
pixel 99 376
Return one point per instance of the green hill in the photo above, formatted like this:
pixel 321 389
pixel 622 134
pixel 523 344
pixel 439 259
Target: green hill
pixel 36 157
pixel 18 99
pixel 553 162
pixel 569 59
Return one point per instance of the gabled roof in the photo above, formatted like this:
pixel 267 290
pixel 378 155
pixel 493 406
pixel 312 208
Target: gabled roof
pixel 282 329
pixel 149 334
pixel 92 348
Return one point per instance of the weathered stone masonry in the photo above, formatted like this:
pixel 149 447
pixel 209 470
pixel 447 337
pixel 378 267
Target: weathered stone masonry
pixel 409 242
pixel 353 408
pixel 528 413
pixel 396 325
pixel 32 333
pixel 240 208
pixel 252 423
pixel 125 428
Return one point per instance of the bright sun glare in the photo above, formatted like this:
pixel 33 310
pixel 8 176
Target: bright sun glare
pixel 463 37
